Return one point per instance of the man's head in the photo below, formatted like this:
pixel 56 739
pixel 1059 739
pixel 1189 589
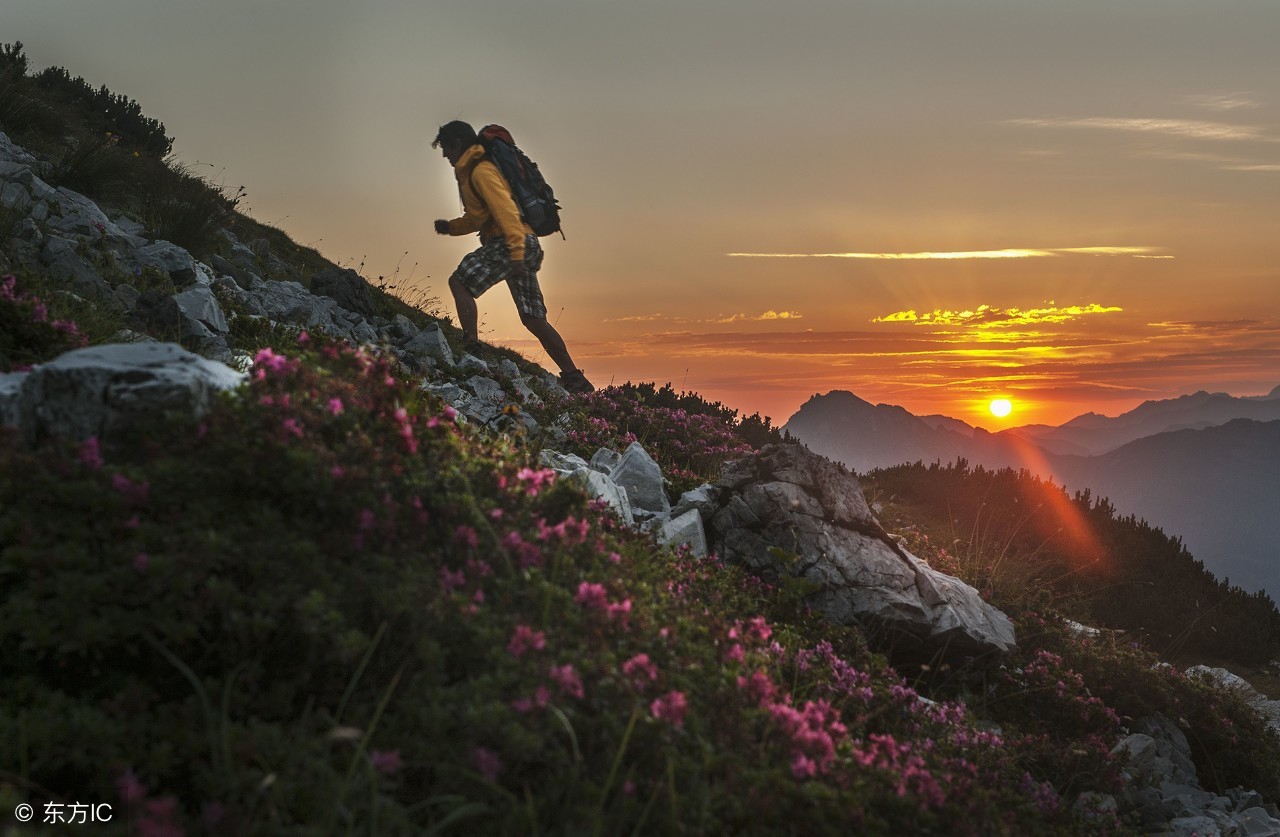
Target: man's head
pixel 454 138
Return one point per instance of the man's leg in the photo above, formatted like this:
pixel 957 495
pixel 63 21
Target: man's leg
pixel 468 314
pixel 550 340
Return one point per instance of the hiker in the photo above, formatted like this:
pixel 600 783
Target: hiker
pixel 509 251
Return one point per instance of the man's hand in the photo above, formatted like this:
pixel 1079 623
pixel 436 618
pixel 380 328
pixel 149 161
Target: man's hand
pixel 442 226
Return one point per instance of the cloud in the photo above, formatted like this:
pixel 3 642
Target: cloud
pixel 636 318
pixel 1188 128
pixel 767 316
pixel 985 316
pixel 1222 101
pixel 1009 253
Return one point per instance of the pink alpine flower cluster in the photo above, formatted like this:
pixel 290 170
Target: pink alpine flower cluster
pixel 27 317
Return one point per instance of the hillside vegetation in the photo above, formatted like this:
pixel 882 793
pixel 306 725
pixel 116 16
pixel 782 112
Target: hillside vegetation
pixel 329 606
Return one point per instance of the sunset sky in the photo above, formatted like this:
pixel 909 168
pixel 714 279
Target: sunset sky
pixel 928 203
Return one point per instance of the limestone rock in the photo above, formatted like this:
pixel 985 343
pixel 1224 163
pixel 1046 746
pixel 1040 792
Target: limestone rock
pixel 105 391
pixel 685 530
pixel 640 476
pixel 789 511
pixel 430 342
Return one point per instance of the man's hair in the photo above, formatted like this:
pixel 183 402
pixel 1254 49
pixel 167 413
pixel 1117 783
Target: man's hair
pixel 456 131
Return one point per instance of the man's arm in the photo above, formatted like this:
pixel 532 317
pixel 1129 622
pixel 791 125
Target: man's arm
pixel 492 188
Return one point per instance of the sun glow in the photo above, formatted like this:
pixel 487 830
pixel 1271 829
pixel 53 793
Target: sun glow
pixel 1000 407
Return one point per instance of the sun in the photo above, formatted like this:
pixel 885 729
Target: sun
pixel 1000 407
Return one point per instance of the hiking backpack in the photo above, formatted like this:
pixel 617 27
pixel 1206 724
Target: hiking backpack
pixel 533 195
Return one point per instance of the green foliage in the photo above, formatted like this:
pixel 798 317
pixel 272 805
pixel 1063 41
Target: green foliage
pixel 1083 685
pixel 1026 543
pixel 107 112
pixel 327 607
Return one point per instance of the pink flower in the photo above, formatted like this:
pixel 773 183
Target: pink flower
pixel 267 360
pixel 591 596
pixel 91 453
pixel 450 580
pixel 535 480
pixel 525 638
pixel 758 687
pixel 303 338
pixel 803 767
pixel 335 406
pixel 566 677
pixel 141 561
pixel 386 762
pixel 671 708
pixel 640 669
pixel 486 762
pixel 466 536
pixel 292 426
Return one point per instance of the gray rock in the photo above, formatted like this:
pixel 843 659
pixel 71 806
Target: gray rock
pixel 10 395
pixel 431 342
pixel 486 389
pixel 471 363
pixel 199 303
pixel 605 460
pixel 565 463
pixel 60 256
pixel 1256 822
pixel 165 256
pixel 599 486
pixel 450 392
pixel 347 288
pixel 640 476
pixel 787 511
pixel 703 498
pixel 1193 827
pixel 522 390
pixel 508 369
pixel 106 391
pixel 403 329
pixel 685 530
pixel 239 274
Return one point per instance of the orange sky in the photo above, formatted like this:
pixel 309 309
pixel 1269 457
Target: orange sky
pixel 928 204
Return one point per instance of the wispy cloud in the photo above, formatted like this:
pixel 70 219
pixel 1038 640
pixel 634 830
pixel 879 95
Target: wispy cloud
pixel 985 316
pixel 767 316
pixel 636 318
pixel 1222 101
pixel 1008 253
pixel 1187 128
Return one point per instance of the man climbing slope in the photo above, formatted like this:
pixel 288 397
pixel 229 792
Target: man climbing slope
pixel 509 251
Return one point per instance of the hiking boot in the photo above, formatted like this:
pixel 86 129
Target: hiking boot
pixel 575 382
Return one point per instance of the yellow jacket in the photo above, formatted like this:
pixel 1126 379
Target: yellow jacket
pixel 487 205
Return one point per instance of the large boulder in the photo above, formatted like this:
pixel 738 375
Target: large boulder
pixel 107 391
pixel 787 511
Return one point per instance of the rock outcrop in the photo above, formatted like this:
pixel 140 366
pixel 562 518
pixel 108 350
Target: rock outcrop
pixel 787 511
pixel 106 391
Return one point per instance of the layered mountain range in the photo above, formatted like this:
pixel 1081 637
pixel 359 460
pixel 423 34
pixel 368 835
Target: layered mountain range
pixel 1202 467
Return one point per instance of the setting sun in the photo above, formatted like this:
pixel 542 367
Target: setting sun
pixel 1001 407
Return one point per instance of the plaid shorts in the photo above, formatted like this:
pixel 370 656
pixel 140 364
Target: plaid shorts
pixel 481 269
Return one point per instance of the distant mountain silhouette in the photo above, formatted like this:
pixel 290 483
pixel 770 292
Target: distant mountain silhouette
pixel 1193 466
pixel 1092 433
